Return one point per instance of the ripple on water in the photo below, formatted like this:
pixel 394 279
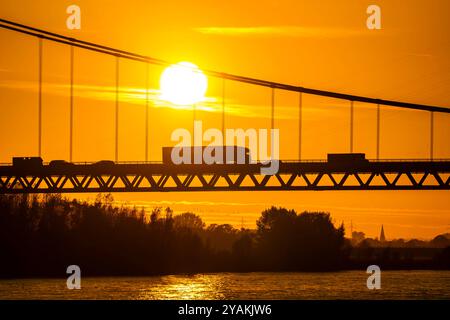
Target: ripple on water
pixel 333 285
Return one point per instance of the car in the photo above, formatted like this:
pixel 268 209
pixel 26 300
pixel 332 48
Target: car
pixel 104 163
pixel 60 164
pixel 347 158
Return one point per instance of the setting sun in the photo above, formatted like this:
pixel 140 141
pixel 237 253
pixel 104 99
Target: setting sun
pixel 183 84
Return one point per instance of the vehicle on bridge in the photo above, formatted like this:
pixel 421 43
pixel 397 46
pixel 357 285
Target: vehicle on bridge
pixel 104 164
pixel 27 162
pixel 60 164
pixel 230 155
pixel 347 158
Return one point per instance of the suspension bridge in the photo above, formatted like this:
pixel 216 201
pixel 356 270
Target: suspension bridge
pixel 146 176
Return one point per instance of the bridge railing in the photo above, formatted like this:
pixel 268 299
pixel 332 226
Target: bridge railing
pixel 3 164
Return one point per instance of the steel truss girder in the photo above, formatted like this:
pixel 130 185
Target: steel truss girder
pixel 245 181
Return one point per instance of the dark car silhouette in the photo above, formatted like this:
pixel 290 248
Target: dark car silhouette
pixel 60 164
pixel 104 164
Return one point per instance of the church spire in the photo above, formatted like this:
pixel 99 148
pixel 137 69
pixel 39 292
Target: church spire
pixel 382 236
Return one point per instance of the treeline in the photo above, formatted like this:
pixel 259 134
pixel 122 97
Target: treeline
pixel 41 236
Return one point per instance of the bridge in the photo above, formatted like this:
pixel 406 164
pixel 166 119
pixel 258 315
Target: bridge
pixel 145 176
pixel 151 177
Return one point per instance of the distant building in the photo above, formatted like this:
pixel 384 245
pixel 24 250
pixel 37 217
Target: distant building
pixel 382 236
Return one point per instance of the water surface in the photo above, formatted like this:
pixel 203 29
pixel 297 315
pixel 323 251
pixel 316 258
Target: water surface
pixel 335 285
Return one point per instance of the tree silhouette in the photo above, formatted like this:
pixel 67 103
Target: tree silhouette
pixel 306 241
pixel 41 236
pixel 188 221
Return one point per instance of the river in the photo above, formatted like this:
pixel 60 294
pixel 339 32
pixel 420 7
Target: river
pixel 334 285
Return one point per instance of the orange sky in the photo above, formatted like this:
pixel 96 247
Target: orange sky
pixel 318 44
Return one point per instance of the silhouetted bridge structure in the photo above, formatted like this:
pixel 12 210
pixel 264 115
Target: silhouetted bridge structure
pixel 151 177
pixel 424 174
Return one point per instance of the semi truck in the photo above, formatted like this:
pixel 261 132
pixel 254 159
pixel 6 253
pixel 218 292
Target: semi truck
pixel 230 155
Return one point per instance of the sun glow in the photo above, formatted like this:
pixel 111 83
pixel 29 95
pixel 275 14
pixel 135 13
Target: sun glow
pixel 183 84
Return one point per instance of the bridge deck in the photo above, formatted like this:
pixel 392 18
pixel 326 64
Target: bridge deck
pixel 316 166
pixel 151 177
